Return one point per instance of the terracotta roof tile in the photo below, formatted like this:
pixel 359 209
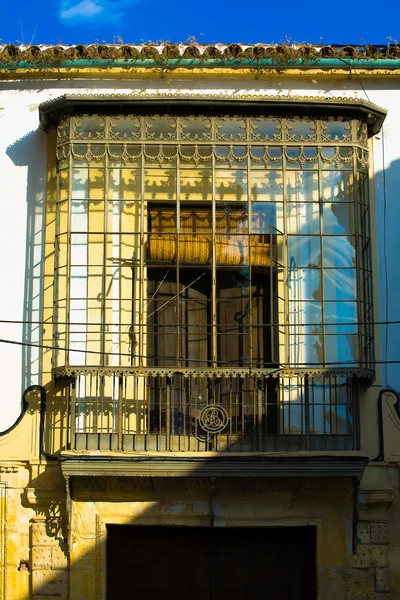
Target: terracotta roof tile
pixel 192 51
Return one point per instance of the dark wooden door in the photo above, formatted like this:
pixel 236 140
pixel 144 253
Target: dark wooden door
pixel 176 563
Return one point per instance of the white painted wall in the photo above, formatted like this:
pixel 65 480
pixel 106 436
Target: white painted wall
pixel 23 181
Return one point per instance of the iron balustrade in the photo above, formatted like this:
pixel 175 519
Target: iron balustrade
pixel 130 412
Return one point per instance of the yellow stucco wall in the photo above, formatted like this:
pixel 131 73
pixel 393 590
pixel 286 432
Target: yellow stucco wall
pixel 38 542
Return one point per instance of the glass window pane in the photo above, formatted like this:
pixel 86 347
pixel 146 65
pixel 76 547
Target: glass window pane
pixel 195 128
pixel 88 183
pixel 340 317
pixel 195 156
pixel 341 349
pixel 123 216
pixel 62 217
pixel 160 184
pixel 303 217
pixel 302 186
pixel 160 128
pixel 339 251
pixel 79 249
pixel 266 214
pixel 231 128
pixel 124 155
pixel 124 184
pixel 338 217
pixel 63 178
pixel 231 222
pixel 304 284
pixel 232 249
pixel 334 158
pixel 124 128
pixel 78 282
pixel 270 158
pixel 267 186
pixel 266 129
pixel 80 183
pixel 87 216
pixel 340 284
pixel 306 317
pixel 233 316
pixel 301 129
pixel 335 130
pixel 231 185
pixel 306 350
pixel 304 251
pixel 195 184
pixel 337 186
pixel 89 127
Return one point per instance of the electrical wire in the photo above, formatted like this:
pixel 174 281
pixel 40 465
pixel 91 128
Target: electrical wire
pixel 358 78
pixel 98 352
pixel 105 324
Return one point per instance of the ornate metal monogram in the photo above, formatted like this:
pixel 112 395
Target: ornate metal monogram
pixel 213 418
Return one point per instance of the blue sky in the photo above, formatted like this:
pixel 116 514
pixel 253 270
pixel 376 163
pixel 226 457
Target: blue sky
pixel 133 21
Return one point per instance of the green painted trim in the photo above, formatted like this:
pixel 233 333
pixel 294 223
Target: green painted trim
pixel 322 63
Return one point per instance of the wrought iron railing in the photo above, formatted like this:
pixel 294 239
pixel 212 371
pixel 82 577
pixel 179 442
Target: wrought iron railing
pixel 197 413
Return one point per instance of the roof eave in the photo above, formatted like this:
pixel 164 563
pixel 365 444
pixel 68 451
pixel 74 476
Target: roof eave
pixel 52 111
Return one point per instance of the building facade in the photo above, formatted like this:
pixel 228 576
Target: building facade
pixel 201 315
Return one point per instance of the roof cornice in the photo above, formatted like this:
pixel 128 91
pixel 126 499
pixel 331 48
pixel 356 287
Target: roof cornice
pixel 53 110
pixel 71 60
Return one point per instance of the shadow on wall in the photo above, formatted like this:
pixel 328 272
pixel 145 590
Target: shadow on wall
pixel 150 560
pixel 387 248
pixel 31 151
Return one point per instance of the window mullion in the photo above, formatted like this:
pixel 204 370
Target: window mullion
pixel 214 356
pixel 249 240
pixel 321 248
pixel 104 328
pixel 143 233
pixel 179 312
pixel 69 243
pixel 285 283
pixel 360 272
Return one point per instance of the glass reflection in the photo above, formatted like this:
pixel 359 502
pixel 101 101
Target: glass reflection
pixel 335 131
pixel 267 186
pixel 303 217
pixel 233 316
pixel 339 251
pixel 231 185
pixel 306 317
pixel 340 317
pixel 337 186
pixel 341 349
pixel 304 284
pixel 304 251
pixel 338 217
pixel 266 215
pixel 306 350
pixel 195 184
pixel 340 284
pixel 124 184
pixel 266 129
pixel 302 186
